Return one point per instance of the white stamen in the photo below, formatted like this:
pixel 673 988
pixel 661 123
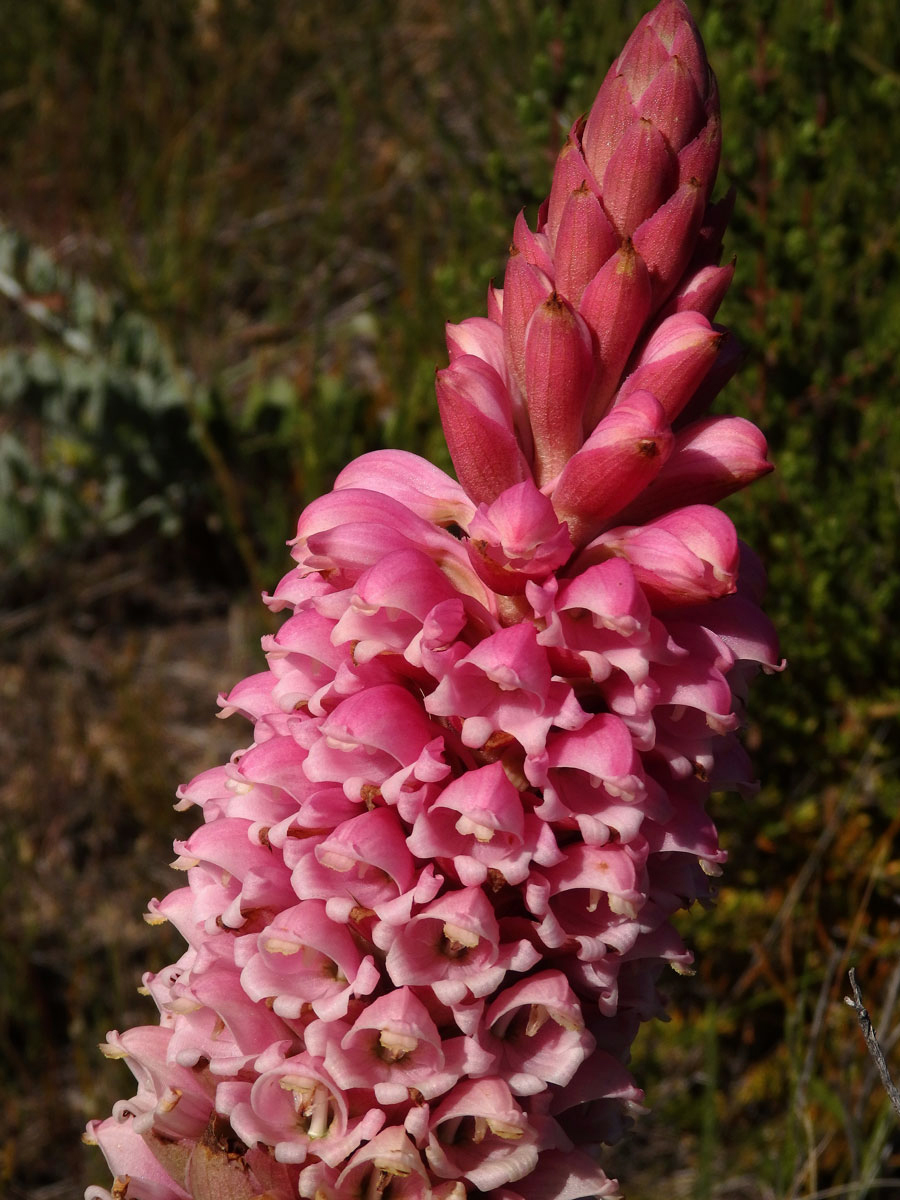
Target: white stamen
pixel 340 743
pixel 311 1103
pixel 501 1129
pixel 463 937
pixel 276 945
pixel 396 1046
pixel 467 827
pixel 337 862
pixel 537 1016
pixel 505 678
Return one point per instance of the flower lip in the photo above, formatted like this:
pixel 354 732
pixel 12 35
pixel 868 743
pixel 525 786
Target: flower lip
pixel 457 940
pixel 394 1047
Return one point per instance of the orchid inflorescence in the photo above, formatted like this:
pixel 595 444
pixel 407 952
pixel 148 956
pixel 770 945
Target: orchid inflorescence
pixel 428 906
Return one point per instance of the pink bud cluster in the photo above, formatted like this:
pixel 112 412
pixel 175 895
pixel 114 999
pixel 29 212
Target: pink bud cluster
pixel 428 906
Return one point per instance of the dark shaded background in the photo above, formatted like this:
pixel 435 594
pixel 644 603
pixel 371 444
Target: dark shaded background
pixel 230 233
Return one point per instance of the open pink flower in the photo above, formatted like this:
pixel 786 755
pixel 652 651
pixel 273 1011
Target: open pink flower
pixel 479 821
pixel 481 1135
pixel 304 958
pixel 453 945
pixel 539 1029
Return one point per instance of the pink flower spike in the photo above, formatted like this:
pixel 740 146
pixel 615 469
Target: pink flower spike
pixel 292 1106
pixel 673 104
pixel 427 907
pixel 610 595
pixel 569 1175
pixel 364 859
pixel 672 23
pixel 603 755
pixel 744 628
pixel 390 603
pixel 367 737
pixel 252 697
pixel 344 532
pixel 699 160
pixel 601 871
pixel 170 1098
pixel 642 58
pixel 728 360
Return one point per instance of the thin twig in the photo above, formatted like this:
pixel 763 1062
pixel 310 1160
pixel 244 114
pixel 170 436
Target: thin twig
pixel 887 1040
pixel 877 1054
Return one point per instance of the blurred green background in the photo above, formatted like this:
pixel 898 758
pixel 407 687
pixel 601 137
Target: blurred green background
pixel 230 234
